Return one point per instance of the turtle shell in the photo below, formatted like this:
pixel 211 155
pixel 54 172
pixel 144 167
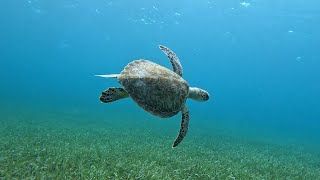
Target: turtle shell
pixel 154 88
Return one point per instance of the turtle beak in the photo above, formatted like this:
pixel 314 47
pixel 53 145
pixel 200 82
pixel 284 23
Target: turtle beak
pixel 205 96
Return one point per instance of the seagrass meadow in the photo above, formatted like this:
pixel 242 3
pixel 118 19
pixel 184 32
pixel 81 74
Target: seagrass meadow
pixel 64 145
pixel 257 59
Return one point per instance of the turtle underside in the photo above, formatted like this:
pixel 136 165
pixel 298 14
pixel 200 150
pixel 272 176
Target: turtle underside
pixel 154 88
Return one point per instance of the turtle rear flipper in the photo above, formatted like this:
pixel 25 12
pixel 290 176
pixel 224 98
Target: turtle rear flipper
pixel 113 94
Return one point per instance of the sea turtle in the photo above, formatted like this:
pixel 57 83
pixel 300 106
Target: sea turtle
pixel 156 89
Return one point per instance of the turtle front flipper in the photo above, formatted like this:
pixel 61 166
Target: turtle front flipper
pixel 183 127
pixel 177 68
pixel 113 94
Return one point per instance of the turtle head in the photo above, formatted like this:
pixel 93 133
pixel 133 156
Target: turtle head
pixel 198 94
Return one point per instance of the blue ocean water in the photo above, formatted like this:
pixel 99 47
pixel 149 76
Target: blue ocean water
pixel 258 59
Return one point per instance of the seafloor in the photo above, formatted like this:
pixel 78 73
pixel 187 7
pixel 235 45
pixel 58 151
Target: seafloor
pixel 78 146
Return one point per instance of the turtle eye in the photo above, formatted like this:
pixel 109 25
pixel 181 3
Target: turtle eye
pixel 205 96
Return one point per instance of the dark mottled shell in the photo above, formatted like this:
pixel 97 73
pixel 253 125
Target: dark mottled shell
pixel 155 88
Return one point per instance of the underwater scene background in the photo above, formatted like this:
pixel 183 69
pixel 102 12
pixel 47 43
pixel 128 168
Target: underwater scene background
pixel 258 59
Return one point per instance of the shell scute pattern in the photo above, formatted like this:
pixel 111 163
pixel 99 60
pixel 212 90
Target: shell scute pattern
pixel 154 88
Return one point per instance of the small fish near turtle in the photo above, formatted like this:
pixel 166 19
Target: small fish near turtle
pixel 156 89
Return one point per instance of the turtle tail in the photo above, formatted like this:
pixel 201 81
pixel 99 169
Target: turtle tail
pixel 109 75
